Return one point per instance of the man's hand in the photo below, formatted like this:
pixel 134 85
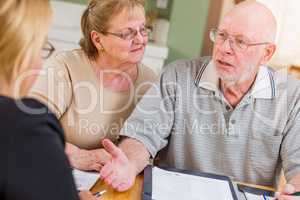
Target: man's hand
pixel 102 156
pixel 119 173
pixel 87 160
pixel 285 195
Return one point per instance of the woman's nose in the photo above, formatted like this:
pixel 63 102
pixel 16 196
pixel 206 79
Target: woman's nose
pixel 138 38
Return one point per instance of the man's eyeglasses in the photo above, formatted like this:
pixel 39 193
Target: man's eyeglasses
pixel 238 42
pixel 47 50
pixel 130 33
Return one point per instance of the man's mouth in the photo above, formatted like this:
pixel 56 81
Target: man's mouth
pixel 224 63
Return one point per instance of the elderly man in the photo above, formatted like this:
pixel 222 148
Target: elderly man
pixel 228 115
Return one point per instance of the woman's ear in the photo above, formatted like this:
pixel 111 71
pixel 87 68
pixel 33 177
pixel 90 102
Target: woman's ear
pixel 96 39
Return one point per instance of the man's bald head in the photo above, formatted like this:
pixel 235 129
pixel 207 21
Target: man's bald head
pixel 244 41
pixel 254 18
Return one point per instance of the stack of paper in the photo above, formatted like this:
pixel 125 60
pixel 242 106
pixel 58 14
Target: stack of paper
pixel 168 185
pixel 250 196
pixel 85 180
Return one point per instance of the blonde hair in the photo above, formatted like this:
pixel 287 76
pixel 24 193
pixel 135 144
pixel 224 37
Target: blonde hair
pixel 97 16
pixel 24 26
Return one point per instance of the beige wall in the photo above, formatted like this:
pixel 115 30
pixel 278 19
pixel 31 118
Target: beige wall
pixel 227 5
pixel 288 36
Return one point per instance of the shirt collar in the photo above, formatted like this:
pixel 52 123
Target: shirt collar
pixel 263 88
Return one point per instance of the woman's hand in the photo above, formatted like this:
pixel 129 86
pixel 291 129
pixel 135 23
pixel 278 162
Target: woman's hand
pixel 86 195
pixel 87 160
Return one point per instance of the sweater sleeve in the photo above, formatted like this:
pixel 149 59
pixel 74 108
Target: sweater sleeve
pixel 53 86
pixel 38 166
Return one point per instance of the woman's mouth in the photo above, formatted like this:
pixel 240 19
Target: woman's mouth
pixel 137 49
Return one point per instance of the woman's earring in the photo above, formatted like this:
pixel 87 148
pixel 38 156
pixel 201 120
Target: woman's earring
pixel 102 49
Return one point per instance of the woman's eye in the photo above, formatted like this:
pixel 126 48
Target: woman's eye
pixel 143 29
pixel 127 34
pixel 124 35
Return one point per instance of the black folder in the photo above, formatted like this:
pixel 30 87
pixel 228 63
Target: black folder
pixel 147 187
pixel 243 189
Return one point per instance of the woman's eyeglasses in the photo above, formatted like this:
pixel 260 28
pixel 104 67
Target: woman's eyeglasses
pixel 130 33
pixel 47 50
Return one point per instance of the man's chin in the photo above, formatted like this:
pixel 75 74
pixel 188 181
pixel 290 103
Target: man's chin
pixel 228 78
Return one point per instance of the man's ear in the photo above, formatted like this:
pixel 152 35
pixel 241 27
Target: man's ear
pixel 96 39
pixel 269 52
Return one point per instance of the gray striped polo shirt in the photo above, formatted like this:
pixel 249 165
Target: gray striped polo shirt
pixel 185 119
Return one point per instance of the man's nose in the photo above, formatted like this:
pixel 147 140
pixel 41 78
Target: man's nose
pixel 226 46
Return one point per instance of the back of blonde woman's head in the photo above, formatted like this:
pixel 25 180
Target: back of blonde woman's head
pixel 97 17
pixel 23 28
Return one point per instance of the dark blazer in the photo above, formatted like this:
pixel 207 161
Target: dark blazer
pixel 33 164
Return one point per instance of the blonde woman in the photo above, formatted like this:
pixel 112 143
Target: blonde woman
pixel 33 164
pixel 94 89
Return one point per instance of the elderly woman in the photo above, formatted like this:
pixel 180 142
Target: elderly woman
pixel 92 90
pixel 33 163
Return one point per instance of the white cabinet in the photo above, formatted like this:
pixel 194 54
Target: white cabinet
pixel 65 33
pixel 155 56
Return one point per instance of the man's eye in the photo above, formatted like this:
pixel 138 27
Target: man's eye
pixel 240 41
pixel 222 35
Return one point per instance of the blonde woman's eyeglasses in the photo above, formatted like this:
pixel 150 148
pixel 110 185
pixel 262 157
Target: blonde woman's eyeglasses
pixel 47 50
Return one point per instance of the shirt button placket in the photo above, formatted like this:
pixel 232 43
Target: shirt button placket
pixel 231 128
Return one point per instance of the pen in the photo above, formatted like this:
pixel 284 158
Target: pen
pixel 264 196
pixel 99 194
pixel 277 194
pixel 296 193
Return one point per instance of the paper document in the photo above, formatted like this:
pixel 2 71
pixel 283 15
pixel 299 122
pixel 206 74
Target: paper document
pixel 85 180
pixel 251 196
pixel 168 185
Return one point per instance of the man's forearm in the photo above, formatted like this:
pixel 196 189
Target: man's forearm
pixel 136 153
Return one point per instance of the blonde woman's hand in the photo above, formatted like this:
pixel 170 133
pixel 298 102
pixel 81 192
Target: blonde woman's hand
pixel 86 195
pixel 81 159
pixel 285 195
